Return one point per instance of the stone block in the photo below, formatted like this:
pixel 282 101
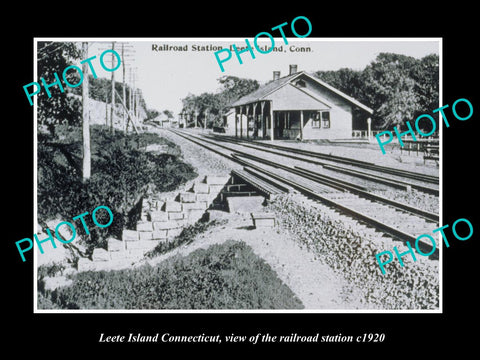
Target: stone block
pixel 263 219
pixel 115 255
pixel 85 264
pixel 100 255
pixel 144 226
pixel 216 180
pixel 171 233
pixel 187 197
pixel 173 206
pixel 146 235
pixel 215 189
pixel 203 197
pixel 201 188
pixel 175 216
pixel 130 235
pixel 242 204
pixel 158 216
pixel 156 148
pixel 135 254
pixel 159 234
pixel 166 225
pixel 145 245
pixel 115 245
pixel 194 215
pixel 202 205
pixel 51 283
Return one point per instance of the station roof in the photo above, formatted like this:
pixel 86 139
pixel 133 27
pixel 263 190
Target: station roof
pixel 263 91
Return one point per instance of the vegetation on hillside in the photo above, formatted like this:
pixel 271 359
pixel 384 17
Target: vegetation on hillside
pixel 224 276
pixel 121 174
pixel 62 107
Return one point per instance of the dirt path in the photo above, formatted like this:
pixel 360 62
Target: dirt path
pixel 316 285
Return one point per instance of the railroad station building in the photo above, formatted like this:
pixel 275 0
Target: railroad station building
pixel 297 106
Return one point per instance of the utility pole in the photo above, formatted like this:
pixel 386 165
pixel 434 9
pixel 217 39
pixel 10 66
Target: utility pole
pixel 134 100
pixel 127 59
pixel 137 101
pixel 106 108
pixel 124 101
pixel 112 110
pixel 86 121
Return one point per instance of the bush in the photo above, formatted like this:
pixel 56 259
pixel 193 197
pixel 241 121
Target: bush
pixel 121 175
pixel 224 276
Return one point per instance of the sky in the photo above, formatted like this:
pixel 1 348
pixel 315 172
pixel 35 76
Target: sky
pixel 167 76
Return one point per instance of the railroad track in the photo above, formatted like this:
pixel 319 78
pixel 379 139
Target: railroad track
pixel 399 220
pixel 338 159
pixel 401 179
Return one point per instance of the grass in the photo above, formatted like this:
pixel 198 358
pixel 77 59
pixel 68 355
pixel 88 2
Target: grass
pixel 224 276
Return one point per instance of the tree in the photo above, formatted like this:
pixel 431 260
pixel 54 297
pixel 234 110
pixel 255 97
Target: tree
pixel 391 84
pixel 215 104
pixel 168 113
pixel 426 75
pixel 60 107
pixel 346 80
pixel 234 88
pixel 397 87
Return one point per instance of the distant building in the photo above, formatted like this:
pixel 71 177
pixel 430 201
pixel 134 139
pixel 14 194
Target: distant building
pixel 164 121
pixel 301 107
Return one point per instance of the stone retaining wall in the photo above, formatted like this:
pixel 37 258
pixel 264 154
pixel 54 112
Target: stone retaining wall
pixel 161 221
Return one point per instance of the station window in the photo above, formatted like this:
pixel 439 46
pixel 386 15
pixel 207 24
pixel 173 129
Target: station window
pixel 321 119
pixel 316 120
pixel 326 119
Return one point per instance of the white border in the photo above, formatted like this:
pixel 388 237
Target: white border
pixel 221 311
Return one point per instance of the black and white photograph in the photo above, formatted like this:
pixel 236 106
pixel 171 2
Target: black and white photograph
pixel 235 181
pixel 287 182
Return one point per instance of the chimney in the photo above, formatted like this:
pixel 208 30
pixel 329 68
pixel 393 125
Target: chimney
pixel 276 75
pixel 293 69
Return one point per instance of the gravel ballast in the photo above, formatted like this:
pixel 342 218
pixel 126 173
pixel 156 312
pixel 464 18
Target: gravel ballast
pixel 338 243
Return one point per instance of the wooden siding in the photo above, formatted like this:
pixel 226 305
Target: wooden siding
pixel 340 125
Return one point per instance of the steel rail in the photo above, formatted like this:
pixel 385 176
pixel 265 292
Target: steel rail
pixel 399 184
pixel 337 184
pixel 396 233
pixel 363 164
pixel 237 157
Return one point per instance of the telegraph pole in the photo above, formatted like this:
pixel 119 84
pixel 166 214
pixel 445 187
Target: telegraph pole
pixel 86 121
pixel 112 110
pixel 123 89
pixel 127 56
